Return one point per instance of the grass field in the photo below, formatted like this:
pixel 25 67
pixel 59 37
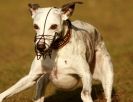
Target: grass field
pixel 114 19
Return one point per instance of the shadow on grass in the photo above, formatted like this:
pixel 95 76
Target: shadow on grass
pixel 74 96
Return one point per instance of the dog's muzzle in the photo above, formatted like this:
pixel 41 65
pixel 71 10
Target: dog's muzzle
pixel 41 47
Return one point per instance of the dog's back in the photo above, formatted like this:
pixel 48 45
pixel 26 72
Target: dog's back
pixel 91 35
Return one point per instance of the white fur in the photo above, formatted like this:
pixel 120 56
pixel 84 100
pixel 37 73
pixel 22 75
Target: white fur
pixel 69 64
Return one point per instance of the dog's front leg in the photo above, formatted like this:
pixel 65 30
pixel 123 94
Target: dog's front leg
pixel 86 91
pixel 41 86
pixel 29 80
pixel 84 73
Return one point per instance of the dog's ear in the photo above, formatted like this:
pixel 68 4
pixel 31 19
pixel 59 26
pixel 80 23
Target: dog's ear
pixel 33 8
pixel 67 9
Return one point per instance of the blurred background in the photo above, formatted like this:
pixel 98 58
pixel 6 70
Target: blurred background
pixel 113 18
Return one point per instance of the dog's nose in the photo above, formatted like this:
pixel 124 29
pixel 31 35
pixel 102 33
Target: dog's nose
pixel 41 47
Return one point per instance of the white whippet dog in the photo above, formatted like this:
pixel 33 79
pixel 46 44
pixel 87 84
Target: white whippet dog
pixel 66 53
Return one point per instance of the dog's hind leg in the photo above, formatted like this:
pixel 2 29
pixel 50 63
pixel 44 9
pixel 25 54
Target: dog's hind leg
pixel 104 70
pixel 29 80
pixel 107 78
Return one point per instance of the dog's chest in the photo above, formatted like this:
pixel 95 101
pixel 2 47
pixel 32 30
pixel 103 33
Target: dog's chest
pixel 56 63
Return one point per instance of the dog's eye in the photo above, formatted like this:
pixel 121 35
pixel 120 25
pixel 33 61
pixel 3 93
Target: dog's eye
pixel 36 26
pixel 54 26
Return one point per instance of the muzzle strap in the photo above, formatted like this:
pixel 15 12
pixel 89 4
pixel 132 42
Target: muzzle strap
pixel 38 52
pixel 58 40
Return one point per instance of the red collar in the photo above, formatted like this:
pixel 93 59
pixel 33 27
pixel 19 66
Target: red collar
pixel 61 42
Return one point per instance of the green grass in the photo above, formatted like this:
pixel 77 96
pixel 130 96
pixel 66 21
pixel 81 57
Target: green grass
pixel 112 17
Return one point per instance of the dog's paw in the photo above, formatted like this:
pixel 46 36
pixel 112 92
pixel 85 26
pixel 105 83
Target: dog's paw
pixel 39 100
